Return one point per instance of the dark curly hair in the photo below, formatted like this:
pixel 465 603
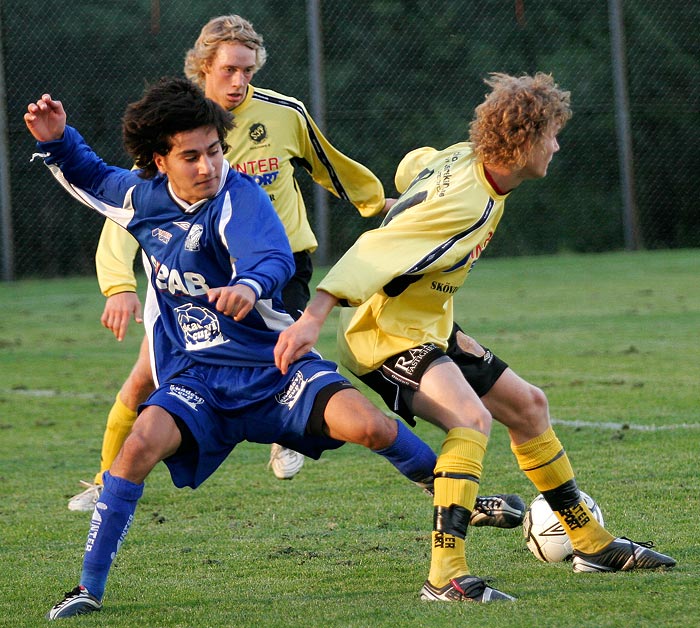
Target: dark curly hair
pixel 170 106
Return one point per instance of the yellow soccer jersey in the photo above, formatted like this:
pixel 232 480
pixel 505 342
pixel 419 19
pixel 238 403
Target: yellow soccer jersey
pixel 401 277
pixel 273 133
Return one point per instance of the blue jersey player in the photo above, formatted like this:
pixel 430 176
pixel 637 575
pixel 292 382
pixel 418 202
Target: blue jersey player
pixel 218 259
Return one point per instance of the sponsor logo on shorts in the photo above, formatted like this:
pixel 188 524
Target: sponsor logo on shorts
pixel 193 238
pixel 294 390
pixel 410 364
pixel 187 396
pixel 488 357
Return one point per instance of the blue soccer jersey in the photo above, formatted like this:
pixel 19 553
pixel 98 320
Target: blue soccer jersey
pixel 235 237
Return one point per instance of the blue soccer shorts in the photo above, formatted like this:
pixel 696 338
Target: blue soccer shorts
pixel 217 407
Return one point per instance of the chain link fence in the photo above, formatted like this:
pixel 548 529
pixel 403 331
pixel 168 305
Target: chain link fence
pixel 396 75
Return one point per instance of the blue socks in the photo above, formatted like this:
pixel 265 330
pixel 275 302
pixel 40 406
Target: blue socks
pixel 410 455
pixel 111 519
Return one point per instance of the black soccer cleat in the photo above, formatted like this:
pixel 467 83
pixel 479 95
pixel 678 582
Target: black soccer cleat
pixel 622 554
pixel 464 589
pixel 76 602
pixel 499 511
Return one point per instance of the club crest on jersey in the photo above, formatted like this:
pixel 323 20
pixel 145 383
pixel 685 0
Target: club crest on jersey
pixel 257 132
pixel 162 235
pixel 193 238
pixel 187 396
pixel 200 327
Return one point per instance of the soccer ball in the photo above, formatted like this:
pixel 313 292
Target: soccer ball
pixel 545 536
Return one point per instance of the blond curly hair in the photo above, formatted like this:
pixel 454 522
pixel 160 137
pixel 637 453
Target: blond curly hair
pixel 219 30
pixel 515 115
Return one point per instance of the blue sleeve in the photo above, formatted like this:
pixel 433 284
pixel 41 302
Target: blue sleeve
pixel 257 242
pixel 83 169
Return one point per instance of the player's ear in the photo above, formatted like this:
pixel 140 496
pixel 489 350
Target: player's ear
pixel 159 161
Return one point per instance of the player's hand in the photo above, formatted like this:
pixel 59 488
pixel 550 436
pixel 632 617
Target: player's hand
pixel 46 119
pixel 298 339
pixel 118 311
pixel 301 337
pixel 235 301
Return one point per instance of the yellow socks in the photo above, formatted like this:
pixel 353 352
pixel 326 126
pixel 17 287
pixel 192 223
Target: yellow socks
pixel 119 423
pixel 457 475
pixel 545 463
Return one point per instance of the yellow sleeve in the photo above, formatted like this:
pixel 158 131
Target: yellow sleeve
pixel 411 165
pixel 340 175
pixel 114 260
pixel 404 248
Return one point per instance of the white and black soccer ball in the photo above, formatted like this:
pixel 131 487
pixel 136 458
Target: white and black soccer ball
pixel 545 536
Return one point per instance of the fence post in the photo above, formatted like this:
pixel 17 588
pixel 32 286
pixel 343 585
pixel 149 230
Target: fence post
pixel 630 219
pixel 8 272
pixel 318 111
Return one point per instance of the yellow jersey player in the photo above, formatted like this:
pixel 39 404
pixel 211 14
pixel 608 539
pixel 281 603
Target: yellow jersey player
pixel 397 333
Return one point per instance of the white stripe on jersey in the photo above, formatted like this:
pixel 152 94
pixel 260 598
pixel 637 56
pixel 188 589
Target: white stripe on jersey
pixel 110 211
pixel 226 213
pixel 277 321
pixel 151 312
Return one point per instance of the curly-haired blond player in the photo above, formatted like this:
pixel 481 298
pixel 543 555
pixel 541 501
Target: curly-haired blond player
pixel 398 335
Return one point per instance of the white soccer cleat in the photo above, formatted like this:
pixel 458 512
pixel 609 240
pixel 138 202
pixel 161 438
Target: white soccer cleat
pixel 76 602
pixel 285 463
pixel 85 501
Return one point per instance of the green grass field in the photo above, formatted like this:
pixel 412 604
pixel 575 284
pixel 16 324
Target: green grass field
pixel 613 339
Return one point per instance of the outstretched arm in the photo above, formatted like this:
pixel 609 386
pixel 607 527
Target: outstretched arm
pixel 301 337
pixel 46 119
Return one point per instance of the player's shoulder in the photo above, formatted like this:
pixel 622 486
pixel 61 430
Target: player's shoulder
pixel 151 191
pixel 426 159
pixel 241 183
pixel 426 154
pixel 412 164
pixel 283 102
pixel 244 188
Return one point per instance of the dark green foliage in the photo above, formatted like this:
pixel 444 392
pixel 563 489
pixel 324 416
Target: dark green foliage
pixel 397 75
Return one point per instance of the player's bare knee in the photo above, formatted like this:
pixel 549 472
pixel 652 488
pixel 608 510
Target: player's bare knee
pixel 532 413
pixel 538 406
pixel 475 417
pixel 482 421
pixel 378 431
pixel 135 448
